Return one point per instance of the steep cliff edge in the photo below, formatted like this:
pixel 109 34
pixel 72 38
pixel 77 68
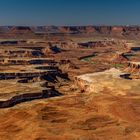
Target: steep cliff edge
pixel 28 97
pixel 120 31
pixel 109 81
pixel 133 68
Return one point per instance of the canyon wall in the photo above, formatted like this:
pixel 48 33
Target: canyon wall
pixel 133 68
pixel 28 97
pixel 119 31
pixel 126 31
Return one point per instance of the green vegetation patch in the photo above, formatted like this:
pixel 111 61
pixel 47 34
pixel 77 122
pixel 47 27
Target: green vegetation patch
pixel 118 65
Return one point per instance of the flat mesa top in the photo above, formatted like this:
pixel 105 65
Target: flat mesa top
pixel 11 88
pixel 115 73
pixel 137 63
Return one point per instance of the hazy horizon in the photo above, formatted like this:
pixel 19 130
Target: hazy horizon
pixel 69 13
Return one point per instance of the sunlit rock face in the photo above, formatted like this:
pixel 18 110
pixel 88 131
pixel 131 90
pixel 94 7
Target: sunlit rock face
pixel 111 80
pixel 20 30
pixel 86 72
pixel 122 31
pixel 133 68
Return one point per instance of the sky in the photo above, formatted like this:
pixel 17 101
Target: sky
pixel 69 12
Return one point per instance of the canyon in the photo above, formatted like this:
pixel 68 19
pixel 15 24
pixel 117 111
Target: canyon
pixel 131 32
pixel 70 83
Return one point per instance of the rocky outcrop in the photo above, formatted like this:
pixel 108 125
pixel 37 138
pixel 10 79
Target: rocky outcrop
pixel 21 30
pixel 67 65
pixel 120 58
pixel 4 76
pixel 106 30
pixel 99 82
pixel 26 62
pixel 22 53
pixel 83 85
pixel 118 31
pixel 28 97
pixel 105 43
pixel 51 49
pixel 133 68
pixel 50 77
pixel 58 46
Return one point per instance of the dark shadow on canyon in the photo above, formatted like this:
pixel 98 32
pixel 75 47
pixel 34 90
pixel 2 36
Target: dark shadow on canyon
pixel 28 97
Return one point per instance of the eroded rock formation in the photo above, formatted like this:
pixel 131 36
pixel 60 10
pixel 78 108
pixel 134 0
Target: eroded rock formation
pixel 21 30
pixel 105 43
pixel 28 97
pixel 119 58
pixel 133 68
